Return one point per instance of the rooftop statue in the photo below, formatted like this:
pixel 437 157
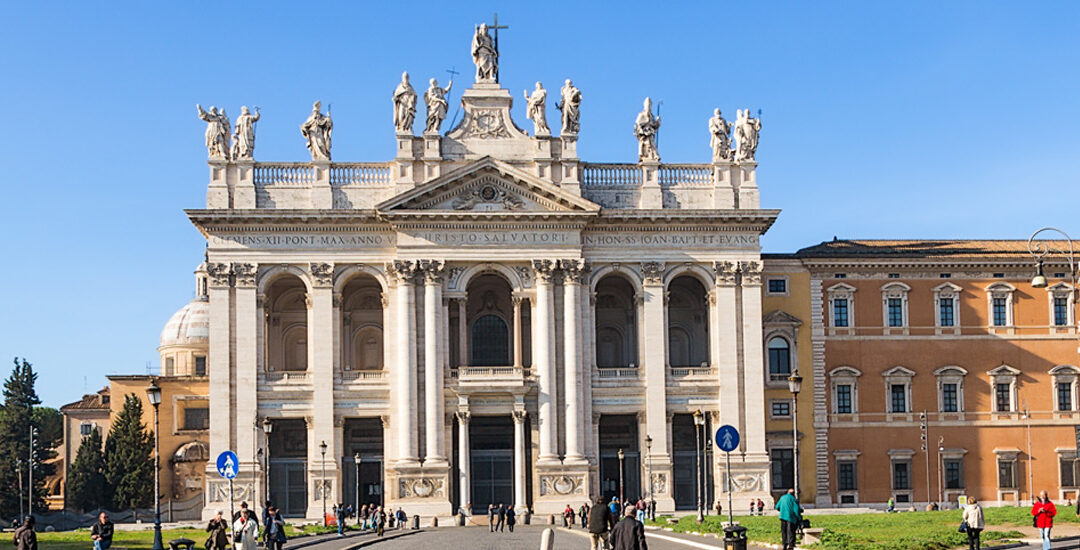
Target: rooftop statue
pixel 435 97
pixel 746 135
pixel 484 55
pixel 720 141
pixel 317 130
pixel 404 105
pixel 570 105
pixel 217 132
pixel 244 134
pixel 536 109
pixel 645 127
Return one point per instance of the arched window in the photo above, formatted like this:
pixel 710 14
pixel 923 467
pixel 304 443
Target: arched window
pixel 779 358
pixel 490 342
pixel 296 349
pixel 368 349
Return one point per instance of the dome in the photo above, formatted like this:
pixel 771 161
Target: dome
pixel 189 325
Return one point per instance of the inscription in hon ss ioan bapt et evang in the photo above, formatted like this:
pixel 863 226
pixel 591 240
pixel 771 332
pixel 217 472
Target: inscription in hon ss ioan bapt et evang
pixel 671 240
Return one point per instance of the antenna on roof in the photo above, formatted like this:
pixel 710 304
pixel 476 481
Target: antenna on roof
pixel 148 367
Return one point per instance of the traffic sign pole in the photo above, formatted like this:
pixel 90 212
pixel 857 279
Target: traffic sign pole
pixel 228 466
pixel 731 517
pixel 232 523
pixel 727 438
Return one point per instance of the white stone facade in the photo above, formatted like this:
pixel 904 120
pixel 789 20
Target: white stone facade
pixel 484 288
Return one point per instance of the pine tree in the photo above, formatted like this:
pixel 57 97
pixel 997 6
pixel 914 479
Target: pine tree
pixel 17 415
pixel 129 466
pixel 86 480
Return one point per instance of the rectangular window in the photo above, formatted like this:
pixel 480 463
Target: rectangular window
pixel 898 398
pixel 845 476
pixel 783 468
pixel 196 418
pixel 781 409
pixel 946 313
pixel 896 312
pixel 1064 395
pixel 998 306
pixel 901 475
pixel 949 401
pixel 954 474
pixel 1003 397
pixel 1006 473
pixel 200 365
pixel 1068 472
pixel 843 398
pixel 840 312
pixel 1061 311
pixel 777 286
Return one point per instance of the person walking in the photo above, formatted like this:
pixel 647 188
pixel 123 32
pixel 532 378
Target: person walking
pixel 102 532
pixel 246 532
pixel 219 533
pixel 600 522
pixel 628 534
pixel 491 518
pixel 760 507
pixel 753 506
pixel 583 513
pixel 790 518
pixel 25 538
pixel 402 517
pixel 277 536
pixel 267 520
pixel 379 517
pixel 719 508
pixel 510 518
pixel 568 516
pixel 500 518
pixel 973 518
pixel 340 520
pixel 1044 512
pixel 614 506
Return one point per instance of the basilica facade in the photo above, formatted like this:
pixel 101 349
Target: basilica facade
pixel 486 318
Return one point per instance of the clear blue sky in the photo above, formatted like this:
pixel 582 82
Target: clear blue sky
pixel 881 119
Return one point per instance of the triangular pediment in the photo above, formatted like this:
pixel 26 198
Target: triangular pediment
pixel 780 317
pixel 488 185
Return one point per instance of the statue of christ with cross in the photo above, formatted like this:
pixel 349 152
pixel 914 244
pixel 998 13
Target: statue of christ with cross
pixel 485 52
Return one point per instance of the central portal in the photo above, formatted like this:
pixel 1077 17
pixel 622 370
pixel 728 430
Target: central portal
pixel 491 444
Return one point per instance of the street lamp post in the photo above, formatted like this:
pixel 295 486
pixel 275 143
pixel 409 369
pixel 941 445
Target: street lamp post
pixel 795 386
pixel 1039 250
pixel 30 473
pixel 153 394
pixel 1027 424
pixel 268 427
pixel 322 483
pixel 648 474
pixel 18 473
pixel 621 499
pixel 699 423
pixel 357 459
pixel 940 467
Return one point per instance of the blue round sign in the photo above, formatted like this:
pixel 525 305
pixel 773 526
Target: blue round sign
pixel 227 465
pixel 727 438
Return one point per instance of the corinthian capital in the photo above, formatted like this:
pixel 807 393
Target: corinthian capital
pixel 219 273
pixel 751 272
pixel 402 270
pixel 245 274
pixel 652 273
pixel 725 273
pixel 432 270
pixel 573 270
pixel 544 269
pixel 322 273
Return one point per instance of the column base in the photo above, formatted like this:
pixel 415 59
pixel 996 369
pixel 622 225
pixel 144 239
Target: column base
pixel 559 485
pixel 548 461
pixel 575 460
pixel 436 462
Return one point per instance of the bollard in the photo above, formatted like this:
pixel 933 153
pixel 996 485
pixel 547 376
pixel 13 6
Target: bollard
pixel 434 521
pixel 551 519
pixel 547 540
pixel 461 519
pixel 415 522
pixel 564 523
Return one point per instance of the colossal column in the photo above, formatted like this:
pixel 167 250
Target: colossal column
pixel 544 361
pixel 405 368
pixel 433 372
pixel 753 360
pixel 655 347
pixel 572 273
pixel 724 337
pixel 519 461
pixel 321 369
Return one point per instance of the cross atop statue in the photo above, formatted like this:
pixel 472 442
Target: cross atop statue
pixel 485 52
pixel 495 26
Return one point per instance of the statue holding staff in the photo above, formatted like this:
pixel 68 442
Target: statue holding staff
pixel 746 135
pixel 720 141
pixel 435 98
pixel 484 55
pixel 317 130
pixel 535 111
pixel 645 127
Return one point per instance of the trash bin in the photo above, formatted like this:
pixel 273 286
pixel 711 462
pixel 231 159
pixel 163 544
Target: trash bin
pixel 181 544
pixel 734 537
pixel 416 522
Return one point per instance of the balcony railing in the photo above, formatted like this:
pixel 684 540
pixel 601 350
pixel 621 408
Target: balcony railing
pixel 487 373
pixel 284 173
pixel 611 175
pixel 693 372
pixel 362 375
pixel 360 173
pixel 685 175
pixel 286 377
pixel 621 373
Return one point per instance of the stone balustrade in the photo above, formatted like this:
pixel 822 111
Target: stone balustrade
pixel 617 373
pixel 360 173
pixel 686 175
pixel 284 173
pixel 610 175
pixel 693 372
pixel 363 375
pixel 286 377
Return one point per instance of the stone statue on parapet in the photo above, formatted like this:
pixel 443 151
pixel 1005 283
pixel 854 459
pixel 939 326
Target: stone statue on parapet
pixel 746 135
pixel 570 105
pixel 435 97
pixel 404 105
pixel 536 110
pixel 720 141
pixel 243 147
pixel 645 127
pixel 217 132
pixel 484 55
pixel 317 130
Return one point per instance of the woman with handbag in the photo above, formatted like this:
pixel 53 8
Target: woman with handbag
pixel 973 523
pixel 245 532
pixel 1044 512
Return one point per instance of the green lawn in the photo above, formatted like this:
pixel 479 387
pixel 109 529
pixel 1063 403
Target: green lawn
pixel 144 540
pixel 900 531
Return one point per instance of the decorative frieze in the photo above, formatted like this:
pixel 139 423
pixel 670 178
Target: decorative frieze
pixel 219 491
pixel 421 487
pixel 322 274
pixel 562 485
pixel 652 273
pixel 747 482
pixel 322 488
pixel 659 483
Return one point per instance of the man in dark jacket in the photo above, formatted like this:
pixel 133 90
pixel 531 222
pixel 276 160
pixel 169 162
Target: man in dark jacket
pixel 102 532
pixel 500 513
pixel 629 534
pixel 25 537
pixel 600 522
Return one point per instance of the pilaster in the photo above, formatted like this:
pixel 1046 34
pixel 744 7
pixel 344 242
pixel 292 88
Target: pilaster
pixel 321 369
pixel 404 375
pixel 220 366
pixel 247 319
pixel 572 271
pixel 544 361
pixel 753 364
pixel 432 271
pixel 655 356
pixel 724 344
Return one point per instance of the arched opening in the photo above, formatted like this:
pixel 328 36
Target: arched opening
pixel 616 323
pixel 779 358
pixel 688 323
pixel 489 319
pixel 362 324
pixel 286 325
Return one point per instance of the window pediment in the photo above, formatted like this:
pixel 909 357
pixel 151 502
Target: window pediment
pixel 781 317
pixel 1003 371
pixel 845 372
pixel 1064 370
pixel 950 370
pixel 898 372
